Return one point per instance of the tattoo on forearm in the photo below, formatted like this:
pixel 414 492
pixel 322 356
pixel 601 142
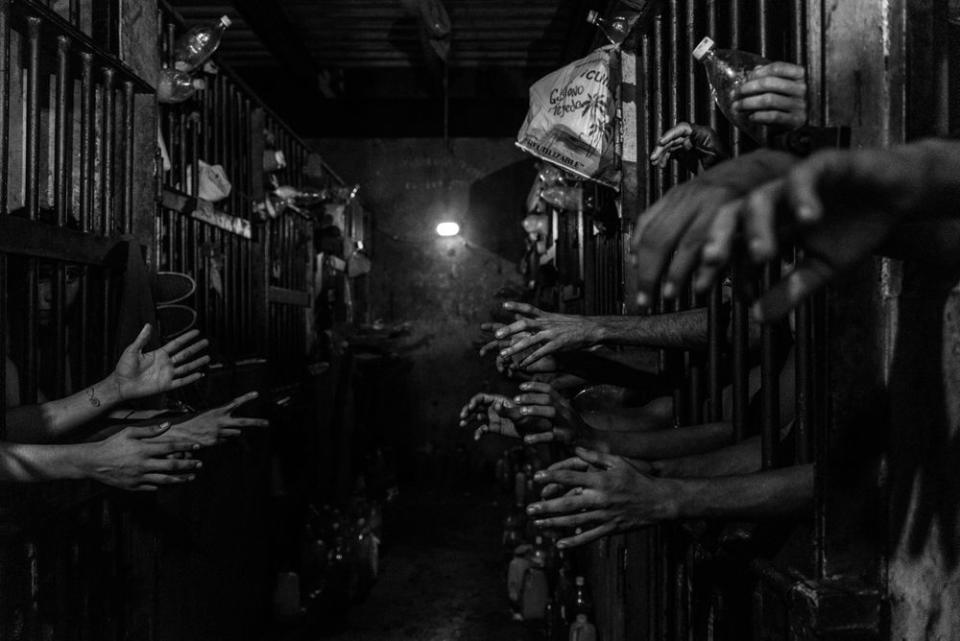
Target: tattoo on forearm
pixel 93 397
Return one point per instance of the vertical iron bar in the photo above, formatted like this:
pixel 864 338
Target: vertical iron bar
pixel 128 160
pixel 33 205
pixel 109 157
pixel 86 142
pixel 61 181
pixel 4 103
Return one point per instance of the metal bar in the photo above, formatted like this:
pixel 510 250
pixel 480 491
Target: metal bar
pixel 4 102
pixel 30 370
pixel 735 20
pixel 61 179
pixel 109 158
pixel 128 160
pixel 86 142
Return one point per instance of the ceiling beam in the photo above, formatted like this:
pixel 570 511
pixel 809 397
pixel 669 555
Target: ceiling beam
pixel 267 19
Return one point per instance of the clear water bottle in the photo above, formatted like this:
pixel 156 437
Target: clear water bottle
pixel 615 29
pixel 197 45
pixel 176 86
pixel 727 69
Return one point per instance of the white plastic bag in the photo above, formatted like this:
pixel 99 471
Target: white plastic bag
pixel 572 118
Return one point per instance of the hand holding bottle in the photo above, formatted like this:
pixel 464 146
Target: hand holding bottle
pixel 774 94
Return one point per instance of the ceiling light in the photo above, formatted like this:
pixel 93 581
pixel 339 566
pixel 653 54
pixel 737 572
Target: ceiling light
pixel 448 229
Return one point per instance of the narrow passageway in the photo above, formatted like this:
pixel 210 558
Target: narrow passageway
pixel 442 575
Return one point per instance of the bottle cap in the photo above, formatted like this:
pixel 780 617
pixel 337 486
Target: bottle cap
pixel 705 45
pixel 593 16
pixel 580 580
pixel 225 20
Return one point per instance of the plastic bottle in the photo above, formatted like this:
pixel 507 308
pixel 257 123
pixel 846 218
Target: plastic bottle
pixel 582 629
pixel 615 29
pixel 515 571
pixel 198 44
pixel 534 594
pixel 727 69
pixel 176 86
pixel 582 603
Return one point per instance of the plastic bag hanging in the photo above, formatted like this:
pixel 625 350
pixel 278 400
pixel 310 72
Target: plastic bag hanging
pixel 572 119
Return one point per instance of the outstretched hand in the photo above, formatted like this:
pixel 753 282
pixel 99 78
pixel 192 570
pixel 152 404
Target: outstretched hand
pixel 607 494
pixel 668 236
pixel 174 365
pixel 692 145
pixel 774 94
pixel 216 425
pixel 839 206
pixel 135 459
pixel 542 401
pixel 549 333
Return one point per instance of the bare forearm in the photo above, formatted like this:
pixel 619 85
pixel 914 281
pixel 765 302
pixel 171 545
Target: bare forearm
pixel 783 492
pixel 26 463
pixel 656 415
pixel 682 330
pixel 53 420
pixel 665 444
pixel 742 458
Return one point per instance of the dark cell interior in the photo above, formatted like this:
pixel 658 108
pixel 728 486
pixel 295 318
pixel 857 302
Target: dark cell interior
pixel 439 320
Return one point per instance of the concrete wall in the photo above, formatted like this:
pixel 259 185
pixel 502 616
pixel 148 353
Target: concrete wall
pixel 444 287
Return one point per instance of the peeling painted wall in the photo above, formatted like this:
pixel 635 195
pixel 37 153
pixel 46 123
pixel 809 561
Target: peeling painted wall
pixel 444 287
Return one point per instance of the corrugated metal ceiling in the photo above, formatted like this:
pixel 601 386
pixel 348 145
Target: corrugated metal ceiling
pixel 379 33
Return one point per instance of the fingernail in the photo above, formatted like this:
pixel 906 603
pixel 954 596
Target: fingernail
pixel 516 399
pixel 195 446
pixel 199 464
pixel 508 404
pixel 540 523
pixel 561 544
pixel 806 213
pixel 533 508
pixel 539 476
pixel 500 333
pixel 504 353
pixel 191 477
pixel 669 290
pixel 736 104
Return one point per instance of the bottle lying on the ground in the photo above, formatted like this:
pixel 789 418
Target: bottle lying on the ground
pixel 727 69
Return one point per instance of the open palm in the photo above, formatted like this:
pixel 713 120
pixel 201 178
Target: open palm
pixel 140 374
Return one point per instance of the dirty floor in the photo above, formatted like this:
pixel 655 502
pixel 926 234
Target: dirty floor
pixel 442 576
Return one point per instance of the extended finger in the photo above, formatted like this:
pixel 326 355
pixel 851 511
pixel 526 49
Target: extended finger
pixel 768 102
pixel 565 477
pixel 803 184
pixel 536 386
pixel 596 459
pixel 781 69
pixel 228 433
pixel 172 465
pixel 552 490
pixel 189 351
pixel 759 221
pixel 809 276
pixel 240 400
pixel 524 344
pixel 573 520
pixel 541 352
pixel 191 366
pixel 189 380
pixel 147 431
pixel 572 463
pixel 164 479
pixel 175 345
pixel 791 119
pixel 490 327
pixel 719 245
pixel 141 340
pixel 244 422
pixel 532 398
pixel 522 308
pixel 566 504
pixel 586 537
pixel 687 256
pixel 489 347
pixel 680 130
pixel 541 411
pixel 772 84
pixel 540 437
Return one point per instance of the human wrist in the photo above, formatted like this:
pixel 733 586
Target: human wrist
pixel 80 461
pixel 677 499
pixel 108 392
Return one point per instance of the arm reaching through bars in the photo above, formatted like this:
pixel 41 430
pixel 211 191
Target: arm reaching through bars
pixel 609 494
pixel 137 375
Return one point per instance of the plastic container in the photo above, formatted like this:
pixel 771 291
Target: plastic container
pixel 198 44
pixel 727 69
pixel 177 86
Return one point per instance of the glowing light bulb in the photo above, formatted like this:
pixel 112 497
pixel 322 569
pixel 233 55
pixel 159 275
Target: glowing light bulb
pixel 448 229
